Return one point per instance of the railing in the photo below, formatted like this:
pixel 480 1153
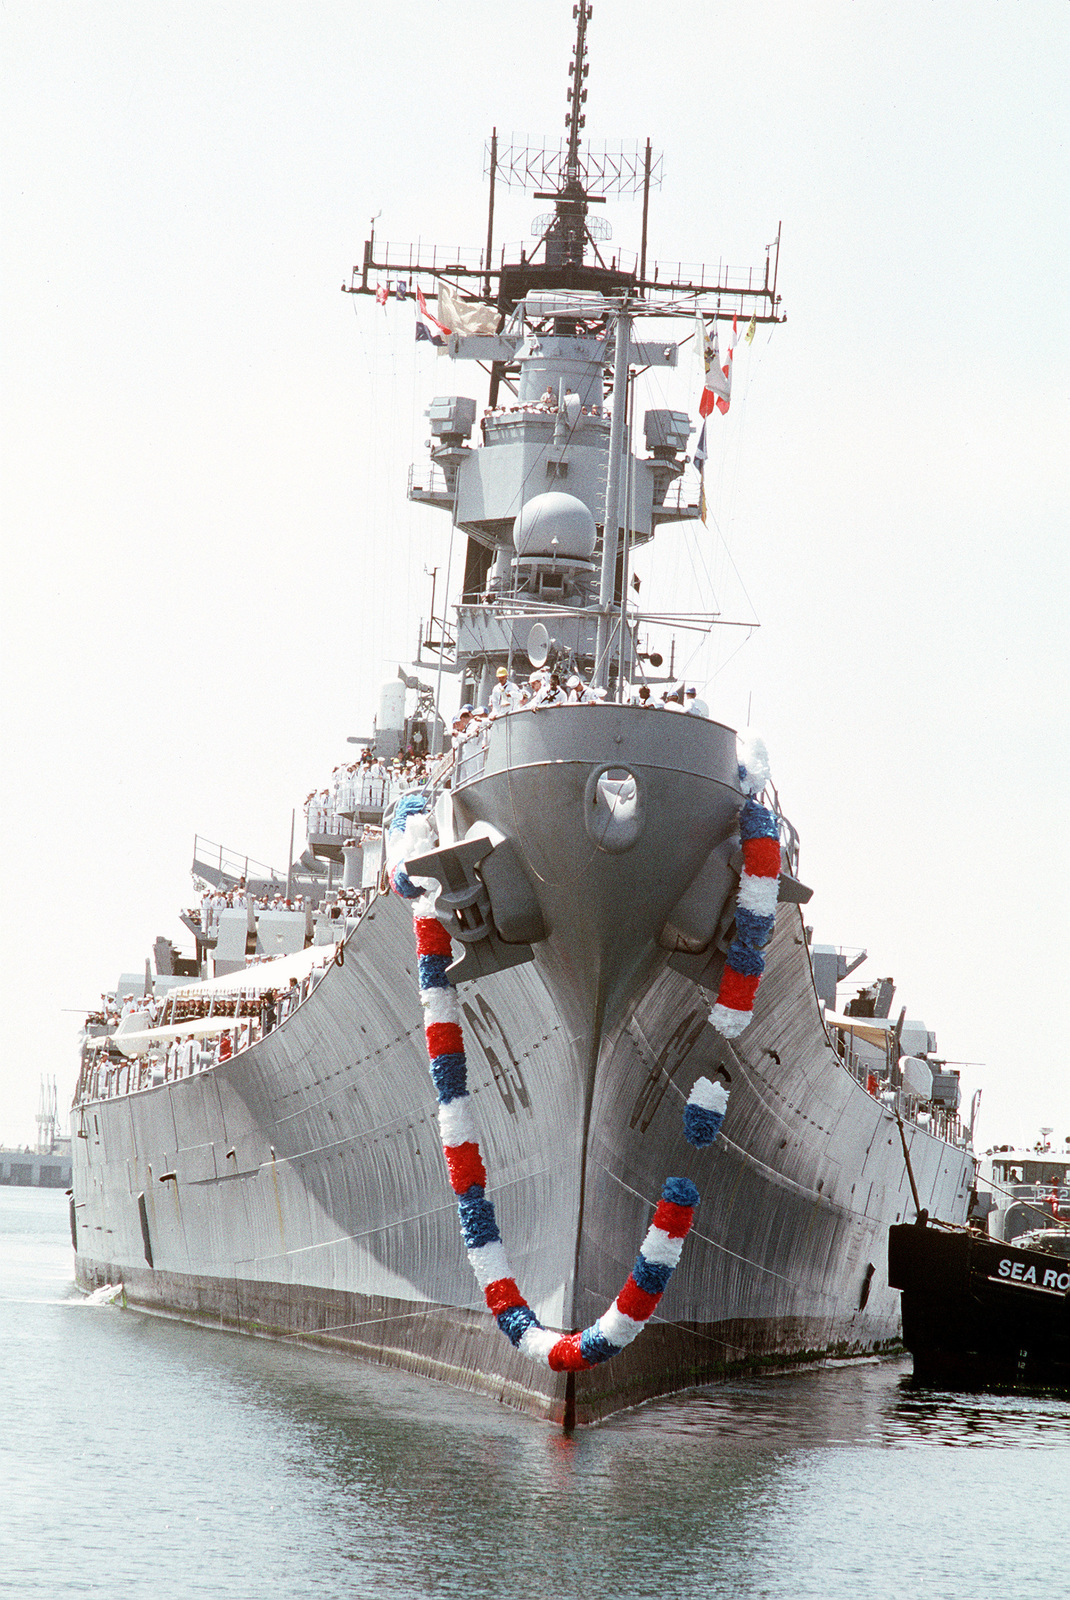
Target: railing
pixel 682 495
pixel 471 759
pixel 433 486
pixel 1039 1191
pixel 231 863
pixel 103 1077
pixel 397 259
pixel 364 794
pixel 388 262
pixel 704 275
pixel 333 826
pixel 941 1121
pixel 789 834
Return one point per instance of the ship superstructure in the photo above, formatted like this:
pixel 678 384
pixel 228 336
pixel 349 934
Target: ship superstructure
pixel 1023 1189
pixel 265 1154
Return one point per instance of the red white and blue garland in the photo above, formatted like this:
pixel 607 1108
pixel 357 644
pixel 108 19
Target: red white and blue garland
pixel 756 898
pixel 660 1250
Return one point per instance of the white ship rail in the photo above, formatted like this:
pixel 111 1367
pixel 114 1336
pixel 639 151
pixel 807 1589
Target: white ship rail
pixel 427 481
pixel 335 826
pixel 1038 1191
pixel 242 1007
pixel 471 758
pixel 364 794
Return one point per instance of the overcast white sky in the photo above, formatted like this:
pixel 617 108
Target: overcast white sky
pixel 209 562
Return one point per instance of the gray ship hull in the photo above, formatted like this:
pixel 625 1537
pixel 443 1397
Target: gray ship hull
pixel 299 1189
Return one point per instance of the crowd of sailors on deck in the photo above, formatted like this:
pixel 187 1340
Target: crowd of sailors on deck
pixel 547 404
pixel 107 1071
pixel 257 1014
pixel 334 905
pixel 544 688
pixel 213 902
pixel 370 782
pixel 112 1011
pixel 375 781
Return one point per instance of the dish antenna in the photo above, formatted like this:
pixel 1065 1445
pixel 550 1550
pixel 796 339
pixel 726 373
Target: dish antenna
pixel 538 645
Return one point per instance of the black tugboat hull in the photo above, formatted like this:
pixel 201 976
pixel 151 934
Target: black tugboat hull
pixel 979 1314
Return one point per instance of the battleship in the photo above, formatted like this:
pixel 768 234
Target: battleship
pixel 258 1145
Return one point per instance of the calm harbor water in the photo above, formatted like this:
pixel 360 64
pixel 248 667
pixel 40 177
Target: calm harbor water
pixel 140 1457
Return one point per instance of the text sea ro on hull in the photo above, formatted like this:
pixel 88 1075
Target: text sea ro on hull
pixel 988 1306
pixel 621 900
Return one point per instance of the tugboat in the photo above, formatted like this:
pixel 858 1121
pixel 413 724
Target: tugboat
pixel 981 1314
pixel 585 913
pixel 988 1306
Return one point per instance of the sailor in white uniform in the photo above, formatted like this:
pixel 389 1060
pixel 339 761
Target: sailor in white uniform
pixel 580 693
pixel 551 694
pixel 505 696
pixel 696 707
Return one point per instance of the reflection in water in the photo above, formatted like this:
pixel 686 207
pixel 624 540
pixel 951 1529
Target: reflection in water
pixel 206 1463
pixel 873 1404
pixel 936 1417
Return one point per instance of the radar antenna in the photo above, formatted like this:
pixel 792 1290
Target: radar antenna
pixel 577 94
pixel 567 255
pixel 568 234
